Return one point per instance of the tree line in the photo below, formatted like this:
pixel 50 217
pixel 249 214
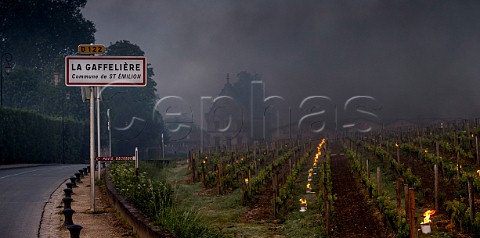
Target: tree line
pixel 39 35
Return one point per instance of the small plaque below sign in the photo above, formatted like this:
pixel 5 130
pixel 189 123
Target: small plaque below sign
pixel 115 158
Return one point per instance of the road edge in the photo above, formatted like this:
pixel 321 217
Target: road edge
pixel 49 229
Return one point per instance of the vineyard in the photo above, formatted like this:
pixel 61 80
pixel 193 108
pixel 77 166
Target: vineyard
pixel 414 182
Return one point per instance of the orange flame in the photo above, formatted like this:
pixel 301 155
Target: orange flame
pixel 246 180
pixel 319 152
pixel 427 215
pixel 303 201
pixel 396 145
pixel 308 186
pixel 478 172
pixel 426 150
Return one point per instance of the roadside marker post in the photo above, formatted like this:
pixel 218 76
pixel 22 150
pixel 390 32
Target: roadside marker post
pixel 136 161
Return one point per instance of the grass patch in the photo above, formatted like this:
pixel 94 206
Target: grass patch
pixel 155 199
pixel 218 211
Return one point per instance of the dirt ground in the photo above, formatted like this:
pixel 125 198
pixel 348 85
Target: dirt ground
pixel 353 214
pixel 104 222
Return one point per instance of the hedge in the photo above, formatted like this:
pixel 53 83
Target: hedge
pixel 30 137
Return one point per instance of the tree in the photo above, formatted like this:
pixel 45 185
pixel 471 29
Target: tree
pixel 135 123
pixel 38 33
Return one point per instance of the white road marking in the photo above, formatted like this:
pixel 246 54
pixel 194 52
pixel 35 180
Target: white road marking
pixel 18 173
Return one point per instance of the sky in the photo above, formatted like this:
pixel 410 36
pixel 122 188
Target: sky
pixel 418 59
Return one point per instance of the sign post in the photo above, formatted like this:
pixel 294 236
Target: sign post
pixel 92 153
pixel 97 100
pixel 96 71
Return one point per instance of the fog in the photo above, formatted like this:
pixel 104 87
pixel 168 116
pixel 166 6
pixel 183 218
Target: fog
pixel 417 59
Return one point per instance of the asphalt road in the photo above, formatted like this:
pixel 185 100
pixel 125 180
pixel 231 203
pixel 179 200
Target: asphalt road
pixel 24 192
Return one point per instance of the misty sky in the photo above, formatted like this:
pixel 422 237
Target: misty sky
pixel 419 60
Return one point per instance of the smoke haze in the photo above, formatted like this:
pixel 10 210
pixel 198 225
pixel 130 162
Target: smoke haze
pixel 419 59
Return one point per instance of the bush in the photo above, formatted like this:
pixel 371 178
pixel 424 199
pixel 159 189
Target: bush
pixel 155 199
pixel 457 210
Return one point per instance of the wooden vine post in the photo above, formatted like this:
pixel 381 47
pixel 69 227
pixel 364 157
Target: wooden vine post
pixel 455 138
pixel 435 169
pixel 219 177
pixel 203 173
pixel 411 195
pixel 379 187
pixel 471 202
pixel 476 149
pixel 407 204
pixel 325 199
pixel 192 166
pixel 420 152
pixel 275 192
pixel 398 153
pixel 368 169
pixel 468 133
pixel 399 198
pixel 458 165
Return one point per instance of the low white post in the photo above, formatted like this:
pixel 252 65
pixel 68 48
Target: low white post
pixel 136 161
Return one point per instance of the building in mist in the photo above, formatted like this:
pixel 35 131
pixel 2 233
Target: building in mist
pixel 235 116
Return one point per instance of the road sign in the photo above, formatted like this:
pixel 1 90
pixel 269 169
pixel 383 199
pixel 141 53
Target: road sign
pixel 128 71
pixel 115 158
pixel 91 49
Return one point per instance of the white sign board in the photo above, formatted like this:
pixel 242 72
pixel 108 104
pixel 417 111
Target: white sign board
pixel 128 71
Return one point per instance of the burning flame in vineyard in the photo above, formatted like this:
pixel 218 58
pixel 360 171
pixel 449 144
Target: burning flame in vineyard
pixel 246 180
pixel 303 201
pixel 427 215
pixel 315 162
pixel 319 152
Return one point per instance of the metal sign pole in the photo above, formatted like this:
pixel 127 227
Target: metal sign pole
pixel 92 153
pixel 97 99
pixel 109 134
